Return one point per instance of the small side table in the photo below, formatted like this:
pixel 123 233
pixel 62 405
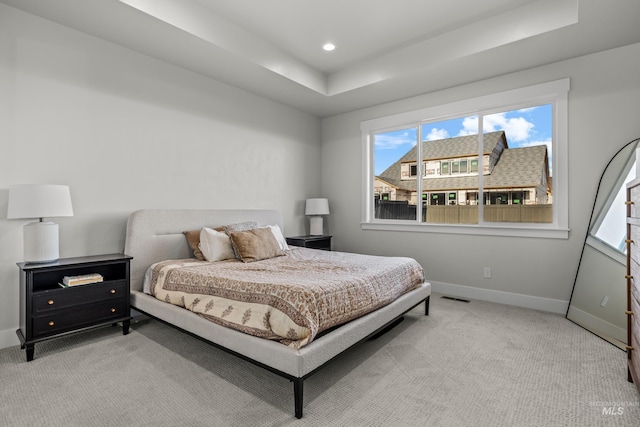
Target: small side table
pixel 313 242
pixel 49 310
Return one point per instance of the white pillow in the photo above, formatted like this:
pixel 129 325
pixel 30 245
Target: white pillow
pixel 277 233
pixel 215 245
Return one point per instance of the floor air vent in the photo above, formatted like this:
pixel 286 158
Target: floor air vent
pixel 455 299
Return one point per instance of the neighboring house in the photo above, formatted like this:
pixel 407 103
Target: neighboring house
pixel 450 173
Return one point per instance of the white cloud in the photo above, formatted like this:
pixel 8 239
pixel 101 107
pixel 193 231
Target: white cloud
pixel 516 128
pixel 469 126
pixel 388 141
pixel 436 134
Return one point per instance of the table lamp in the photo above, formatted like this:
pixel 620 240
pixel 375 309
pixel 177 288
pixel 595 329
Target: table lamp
pixel 315 208
pixel 39 201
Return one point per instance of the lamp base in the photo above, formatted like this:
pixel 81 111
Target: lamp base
pixel 315 226
pixel 41 242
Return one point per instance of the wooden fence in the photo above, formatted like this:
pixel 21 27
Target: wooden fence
pixel 465 214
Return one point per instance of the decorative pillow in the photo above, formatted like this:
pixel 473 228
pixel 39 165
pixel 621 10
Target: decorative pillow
pixel 193 236
pixel 255 245
pixel 239 226
pixel 277 233
pixel 193 239
pixel 215 245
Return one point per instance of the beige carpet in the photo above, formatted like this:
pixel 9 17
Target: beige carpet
pixel 467 364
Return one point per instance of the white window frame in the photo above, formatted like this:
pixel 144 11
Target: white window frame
pixel 554 92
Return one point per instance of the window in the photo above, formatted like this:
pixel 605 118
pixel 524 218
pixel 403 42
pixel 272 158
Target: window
pixel 463 166
pixel 508 147
pixel 455 166
pixel 444 168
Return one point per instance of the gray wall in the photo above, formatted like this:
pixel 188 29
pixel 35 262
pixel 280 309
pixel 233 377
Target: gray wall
pixel 126 132
pixel 604 114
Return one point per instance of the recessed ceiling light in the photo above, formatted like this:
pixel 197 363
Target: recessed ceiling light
pixel 329 47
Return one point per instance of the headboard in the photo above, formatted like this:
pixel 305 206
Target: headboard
pixel 156 234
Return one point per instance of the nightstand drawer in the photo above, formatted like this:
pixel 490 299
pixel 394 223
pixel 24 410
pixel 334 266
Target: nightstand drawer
pixel 83 294
pixel 76 317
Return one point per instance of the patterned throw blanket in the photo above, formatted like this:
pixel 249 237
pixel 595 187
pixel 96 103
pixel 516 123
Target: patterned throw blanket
pixel 289 298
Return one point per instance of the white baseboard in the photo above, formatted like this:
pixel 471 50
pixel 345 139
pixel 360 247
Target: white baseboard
pixel 8 338
pixel 598 326
pixel 519 300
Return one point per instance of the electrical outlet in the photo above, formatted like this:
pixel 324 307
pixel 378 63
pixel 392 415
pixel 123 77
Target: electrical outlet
pixel 487 272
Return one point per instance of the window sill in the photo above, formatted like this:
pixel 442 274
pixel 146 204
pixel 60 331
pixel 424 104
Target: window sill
pixel 502 229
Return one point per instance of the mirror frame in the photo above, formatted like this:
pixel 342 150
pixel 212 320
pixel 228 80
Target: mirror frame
pixel 590 226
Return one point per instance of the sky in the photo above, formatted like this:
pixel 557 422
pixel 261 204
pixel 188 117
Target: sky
pixel 523 128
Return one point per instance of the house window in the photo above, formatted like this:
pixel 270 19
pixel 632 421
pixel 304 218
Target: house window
pixel 444 168
pixel 528 135
pixel 400 204
pixel 455 166
pixel 463 166
pixel 499 198
pixel 437 199
pixel 517 197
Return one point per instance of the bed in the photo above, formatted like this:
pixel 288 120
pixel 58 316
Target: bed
pixel 154 236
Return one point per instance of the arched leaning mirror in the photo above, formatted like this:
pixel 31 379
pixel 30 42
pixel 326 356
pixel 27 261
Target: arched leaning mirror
pixel 598 301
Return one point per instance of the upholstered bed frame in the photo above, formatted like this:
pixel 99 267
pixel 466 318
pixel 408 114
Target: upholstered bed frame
pixel 155 235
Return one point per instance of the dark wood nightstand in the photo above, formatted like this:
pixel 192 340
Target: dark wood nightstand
pixel 313 242
pixel 48 310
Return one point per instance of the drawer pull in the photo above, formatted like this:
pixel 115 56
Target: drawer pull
pixel 113 310
pixel 51 323
pixel 113 291
pixel 50 302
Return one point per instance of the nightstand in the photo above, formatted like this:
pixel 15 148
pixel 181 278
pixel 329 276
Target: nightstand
pixel 313 242
pixel 49 310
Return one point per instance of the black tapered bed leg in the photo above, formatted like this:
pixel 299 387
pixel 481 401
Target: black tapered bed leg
pixel 426 306
pixel 297 396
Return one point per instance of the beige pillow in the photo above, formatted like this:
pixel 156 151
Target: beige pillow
pixel 239 226
pixel 255 245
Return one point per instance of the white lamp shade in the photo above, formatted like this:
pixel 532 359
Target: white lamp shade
pixel 39 201
pixel 317 207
